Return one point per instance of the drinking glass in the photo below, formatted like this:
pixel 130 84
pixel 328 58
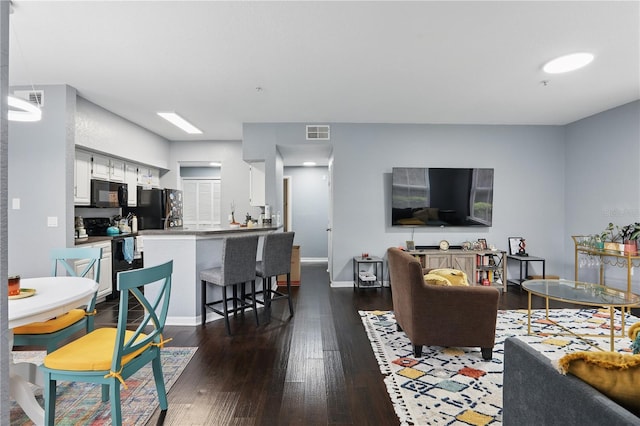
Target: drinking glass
pixel 14 285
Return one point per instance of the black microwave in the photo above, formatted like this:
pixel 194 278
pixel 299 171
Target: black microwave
pixel 108 194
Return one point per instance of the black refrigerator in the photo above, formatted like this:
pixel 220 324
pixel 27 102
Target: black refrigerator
pixel 158 208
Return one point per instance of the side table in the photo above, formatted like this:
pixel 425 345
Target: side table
pixel 365 277
pixel 524 263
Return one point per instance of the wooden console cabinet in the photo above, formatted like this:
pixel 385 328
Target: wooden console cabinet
pixel 477 264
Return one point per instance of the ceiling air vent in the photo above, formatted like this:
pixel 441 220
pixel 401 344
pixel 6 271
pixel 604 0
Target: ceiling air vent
pixel 318 132
pixel 36 97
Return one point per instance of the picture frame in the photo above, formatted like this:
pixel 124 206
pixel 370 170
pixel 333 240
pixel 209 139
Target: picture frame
pixel 514 245
pixel 411 246
pixel 483 243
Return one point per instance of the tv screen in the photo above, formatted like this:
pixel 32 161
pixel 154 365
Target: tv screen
pixel 441 197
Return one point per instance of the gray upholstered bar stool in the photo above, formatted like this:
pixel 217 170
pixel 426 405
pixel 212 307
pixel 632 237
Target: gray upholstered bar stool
pixel 276 260
pixel 238 267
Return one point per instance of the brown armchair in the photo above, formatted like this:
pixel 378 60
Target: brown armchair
pixel 439 315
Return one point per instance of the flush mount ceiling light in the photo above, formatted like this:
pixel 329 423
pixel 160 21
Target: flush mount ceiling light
pixel 180 122
pixel 568 63
pixel 309 163
pixel 23 110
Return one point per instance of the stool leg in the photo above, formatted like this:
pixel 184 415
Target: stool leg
pixel 289 294
pixel 253 301
pixel 235 301
pixel 226 313
pixel 203 301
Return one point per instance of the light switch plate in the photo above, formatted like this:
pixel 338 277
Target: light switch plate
pixel 15 203
pixel 52 221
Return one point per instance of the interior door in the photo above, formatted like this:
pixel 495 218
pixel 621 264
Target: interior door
pixel 330 220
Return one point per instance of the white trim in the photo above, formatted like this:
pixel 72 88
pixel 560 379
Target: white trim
pixel 313 259
pixel 349 284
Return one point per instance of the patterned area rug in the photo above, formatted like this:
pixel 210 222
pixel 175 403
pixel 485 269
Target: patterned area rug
pixel 81 403
pixel 455 386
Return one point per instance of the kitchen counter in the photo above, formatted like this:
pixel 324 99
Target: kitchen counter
pixel 207 230
pixel 100 238
pixel 192 249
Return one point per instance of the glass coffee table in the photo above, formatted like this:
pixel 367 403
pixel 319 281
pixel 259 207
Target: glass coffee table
pixel 580 293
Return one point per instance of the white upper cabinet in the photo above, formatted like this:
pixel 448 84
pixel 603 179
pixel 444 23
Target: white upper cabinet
pixel 116 171
pixel 106 168
pixel 257 184
pixel 148 177
pixel 101 167
pixel 82 179
pixel 131 179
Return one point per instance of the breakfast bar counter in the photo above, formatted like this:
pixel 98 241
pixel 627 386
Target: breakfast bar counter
pixel 192 249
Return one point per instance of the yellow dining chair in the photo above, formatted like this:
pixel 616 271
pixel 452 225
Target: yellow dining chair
pixel 53 332
pixel 109 356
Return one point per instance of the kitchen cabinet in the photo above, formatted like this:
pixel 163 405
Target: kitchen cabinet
pixel 257 184
pixel 148 177
pixel 116 170
pixel 82 179
pixel 106 168
pixel 131 179
pixel 101 167
pixel 106 262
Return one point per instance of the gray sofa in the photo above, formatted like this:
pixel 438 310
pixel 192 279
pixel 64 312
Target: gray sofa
pixel 535 393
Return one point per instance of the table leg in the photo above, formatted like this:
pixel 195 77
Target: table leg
pixel 529 314
pixel 612 331
pixel 20 375
pixel 546 306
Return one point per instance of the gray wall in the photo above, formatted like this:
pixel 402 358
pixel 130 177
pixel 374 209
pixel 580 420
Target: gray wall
pixel 603 181
pixel 41 170
pixel 310 209
pixel 101 130
pixel 41 175
pixel 529 182
pixel 234 172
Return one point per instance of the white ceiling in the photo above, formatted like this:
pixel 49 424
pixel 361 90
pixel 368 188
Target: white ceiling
pixel 221 64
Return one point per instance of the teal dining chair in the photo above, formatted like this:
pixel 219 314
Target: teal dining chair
pixel 109 356
pixel 53 332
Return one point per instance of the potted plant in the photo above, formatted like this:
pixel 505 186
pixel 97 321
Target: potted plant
pixel 610 237
pixel 629 235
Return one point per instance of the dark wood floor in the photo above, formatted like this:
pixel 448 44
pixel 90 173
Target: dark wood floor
pixel 316 368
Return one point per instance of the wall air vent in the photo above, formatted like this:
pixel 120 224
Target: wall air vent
pixel 36 97
pixel 318 132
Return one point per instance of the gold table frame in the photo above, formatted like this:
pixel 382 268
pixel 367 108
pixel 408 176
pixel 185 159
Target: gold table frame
pixel 581 293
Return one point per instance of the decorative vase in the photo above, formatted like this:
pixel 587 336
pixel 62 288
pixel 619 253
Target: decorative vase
pixel 630 247
pixel 610 246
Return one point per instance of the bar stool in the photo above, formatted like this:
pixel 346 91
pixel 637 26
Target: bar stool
pixel 238 267
pixel 276 260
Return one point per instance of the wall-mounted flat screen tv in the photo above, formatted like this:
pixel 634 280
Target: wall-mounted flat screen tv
pixel 441 197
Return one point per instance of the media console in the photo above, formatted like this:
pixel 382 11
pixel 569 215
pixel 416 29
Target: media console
pixel 483 267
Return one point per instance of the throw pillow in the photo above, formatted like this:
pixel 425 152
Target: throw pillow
pixel 634 335
pixel 435 279
pixel 454 276
pixel 615 375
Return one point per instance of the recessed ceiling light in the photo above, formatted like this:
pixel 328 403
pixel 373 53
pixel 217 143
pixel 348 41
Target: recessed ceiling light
pixel 180 122
pixel 309 163
pixel 568 63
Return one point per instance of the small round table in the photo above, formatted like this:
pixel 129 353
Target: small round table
pixel 54 296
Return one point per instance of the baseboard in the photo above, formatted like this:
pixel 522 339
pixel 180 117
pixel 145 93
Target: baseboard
pixel 313 260
pixel 345 284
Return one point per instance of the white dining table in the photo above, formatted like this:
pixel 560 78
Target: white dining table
pixel 53 296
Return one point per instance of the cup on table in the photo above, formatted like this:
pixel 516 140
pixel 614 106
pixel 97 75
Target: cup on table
pixel 14 285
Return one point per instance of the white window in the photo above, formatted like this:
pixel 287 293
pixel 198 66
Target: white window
pixel 201 202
